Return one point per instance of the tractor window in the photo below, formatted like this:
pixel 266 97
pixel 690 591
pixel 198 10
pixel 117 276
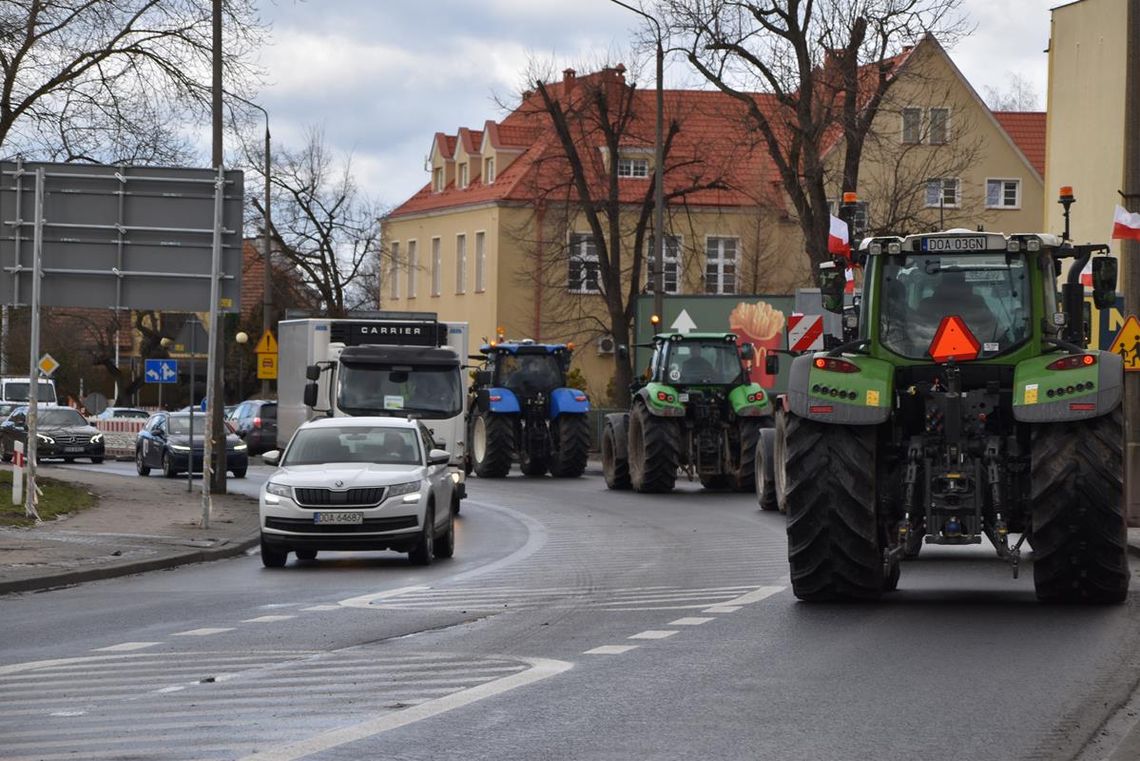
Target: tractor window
pixel 532 372
pixel 988 291
pixel 699 363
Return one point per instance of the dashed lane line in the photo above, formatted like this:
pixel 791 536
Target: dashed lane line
pixel 610 650
pixel 654 634
pixel 204 632
pixel 266 619
pixel 123 647
pixel 692 621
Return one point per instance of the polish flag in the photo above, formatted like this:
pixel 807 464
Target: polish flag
pixel 1086 275
pixel 839 237
pixel 1125 224
pixel 849 286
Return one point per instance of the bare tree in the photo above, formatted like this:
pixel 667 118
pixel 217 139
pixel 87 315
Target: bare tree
pixel 1017 95
pixel 114 80
pixel 808 72
pixel 324 228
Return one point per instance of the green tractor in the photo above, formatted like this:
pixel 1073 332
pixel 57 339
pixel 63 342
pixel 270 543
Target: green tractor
pixel 963 405
pixel 696 412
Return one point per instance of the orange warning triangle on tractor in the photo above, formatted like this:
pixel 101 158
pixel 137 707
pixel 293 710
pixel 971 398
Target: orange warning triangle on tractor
pixel 953 341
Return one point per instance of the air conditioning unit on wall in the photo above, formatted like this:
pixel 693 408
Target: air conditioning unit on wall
pixel 606 345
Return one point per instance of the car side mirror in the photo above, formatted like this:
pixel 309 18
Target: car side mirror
pixel 1104 270
pixel 832 281
pixel 438 457
pixel 313 372
pixel 482 377
pixel 772 364
pixel 272 457
pixel 747 351
pixel 311 394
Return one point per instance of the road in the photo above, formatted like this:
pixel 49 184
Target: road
pixel 573 623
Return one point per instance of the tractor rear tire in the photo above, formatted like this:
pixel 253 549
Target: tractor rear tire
pixel 1080 535
pixel 833 532
pixel 779 457
pixel 654 450
pixel 765 472
pixel 615 469
pixel 492 444
pixel 745 477
pixel 571 439
pixel 531 466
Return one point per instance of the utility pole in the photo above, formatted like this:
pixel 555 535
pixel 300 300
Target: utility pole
pixel 1130 253
pixel 214 472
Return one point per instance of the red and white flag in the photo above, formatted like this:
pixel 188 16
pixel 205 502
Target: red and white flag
pixel 1086 275
pixel 839 238
pixel 1125 224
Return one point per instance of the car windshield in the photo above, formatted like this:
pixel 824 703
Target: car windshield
pixel 61 417
pixel 700 362
pixel 382 445
pixel 987 291
pixel 429 392
pixel 179 425
pixel 540 372
pixel 17 391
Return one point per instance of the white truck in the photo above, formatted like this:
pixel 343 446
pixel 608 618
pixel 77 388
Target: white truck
pixel 399 364
pixel 14 388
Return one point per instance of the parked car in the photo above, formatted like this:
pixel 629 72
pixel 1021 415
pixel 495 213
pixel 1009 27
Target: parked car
pixel 121 413
pixel 255 421
pixel 61 433
pixel 166 442
pixel 358 483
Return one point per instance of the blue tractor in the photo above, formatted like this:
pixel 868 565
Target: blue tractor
pixel 519 408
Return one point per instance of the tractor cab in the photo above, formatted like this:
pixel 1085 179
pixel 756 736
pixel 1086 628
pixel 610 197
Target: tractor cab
pixel 526 367
pixel 699 359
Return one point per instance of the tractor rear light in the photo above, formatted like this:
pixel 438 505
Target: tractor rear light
pixel 1082 406
pixel 579 397
pixel 820 409
pixel 495 398
pixel 662 397
pixel 1073 362
pixel 836 365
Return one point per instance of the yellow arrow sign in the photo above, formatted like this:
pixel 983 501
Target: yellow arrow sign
pixel 1127 344
pixel 267 344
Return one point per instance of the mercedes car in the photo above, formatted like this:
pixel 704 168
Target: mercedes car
pixel 61 433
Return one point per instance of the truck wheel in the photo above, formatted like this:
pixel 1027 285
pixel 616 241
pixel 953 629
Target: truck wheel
pixel 833 534
pixel 765 480
pixel 654 444
pixel 531 466
pixel 571 437
pixel 615 469
pixel 1080 547
pixel 779 457
pixel 492 443
pixel 744 479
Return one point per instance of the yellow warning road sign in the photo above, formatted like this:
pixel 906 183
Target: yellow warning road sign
pixel 267 344
pixel 1127 344
pixel 266 366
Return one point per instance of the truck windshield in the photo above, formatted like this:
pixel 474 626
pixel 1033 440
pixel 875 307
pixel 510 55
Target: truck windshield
pixel 712 362
pixel 17 391
pixel 434 392
pixel 539 372
pixel 988 291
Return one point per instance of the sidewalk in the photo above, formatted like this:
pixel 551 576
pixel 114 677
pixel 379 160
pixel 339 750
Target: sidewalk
pixel 139 524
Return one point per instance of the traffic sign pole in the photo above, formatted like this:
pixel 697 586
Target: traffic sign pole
pixel 34 350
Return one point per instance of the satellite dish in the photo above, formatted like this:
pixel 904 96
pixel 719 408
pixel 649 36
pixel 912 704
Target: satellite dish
pixel 95 402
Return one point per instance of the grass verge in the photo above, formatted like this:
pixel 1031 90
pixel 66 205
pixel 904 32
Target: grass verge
pixel 57 499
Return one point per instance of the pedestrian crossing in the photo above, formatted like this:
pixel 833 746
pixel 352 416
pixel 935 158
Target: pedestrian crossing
pixel 191 705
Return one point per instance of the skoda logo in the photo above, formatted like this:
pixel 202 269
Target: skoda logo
pixel 339 484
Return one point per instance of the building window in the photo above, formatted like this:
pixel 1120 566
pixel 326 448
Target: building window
pixel 943 191
pixel 489 171
pixel 638 168
pixel 720 267
pixel 939 126
pixel 671 264
pixel 583 264
pixel 436 267
pixel 461 264
pixel 413 268
pixel 463 175
pixel 437 179
pixel 480 263
pixel 1003 194
pixel 912 125
pixel 394 273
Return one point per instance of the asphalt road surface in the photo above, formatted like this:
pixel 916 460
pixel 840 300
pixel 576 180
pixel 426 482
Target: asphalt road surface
pixel 573 623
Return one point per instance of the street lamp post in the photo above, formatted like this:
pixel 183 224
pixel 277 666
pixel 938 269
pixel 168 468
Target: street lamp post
pixel 165 343
pixel 242 339
pixel 658 174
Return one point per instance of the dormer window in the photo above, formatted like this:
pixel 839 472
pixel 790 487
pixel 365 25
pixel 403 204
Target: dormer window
pixel 636 168
pixel 463 175
pixel 489 171
pixel 437 179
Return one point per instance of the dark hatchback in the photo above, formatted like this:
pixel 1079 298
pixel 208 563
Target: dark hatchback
pixel 166 442
pixel 61 432
pixel 255 421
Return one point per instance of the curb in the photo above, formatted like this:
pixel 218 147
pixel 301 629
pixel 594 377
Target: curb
pixel 228 549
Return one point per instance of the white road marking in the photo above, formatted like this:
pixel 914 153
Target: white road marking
pixel 365 601
pixel 202 632
pixel 540 669
pixel 266 619
pixel 65 714
pixel 756 595
pixel 653 634
pixel 722 609
pixel 322 607
pixel 610 650
pixel 693 621
pixel 174 688
pixel 124 646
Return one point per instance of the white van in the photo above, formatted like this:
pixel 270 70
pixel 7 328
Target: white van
pixel 14 388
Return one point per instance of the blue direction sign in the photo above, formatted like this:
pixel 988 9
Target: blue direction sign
pixel 161 371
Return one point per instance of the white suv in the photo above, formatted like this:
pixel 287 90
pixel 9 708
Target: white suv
pixel 358 483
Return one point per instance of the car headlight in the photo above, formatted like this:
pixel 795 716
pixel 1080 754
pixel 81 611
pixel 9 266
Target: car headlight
pixel 45 439
pixel 96 438
pixel 281 490
pixel 455 477
pixel 240 447
pixel 179 448
pixel 410 488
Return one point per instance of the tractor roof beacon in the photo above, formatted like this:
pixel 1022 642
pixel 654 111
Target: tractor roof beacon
pixel 695 410
pixel 965 406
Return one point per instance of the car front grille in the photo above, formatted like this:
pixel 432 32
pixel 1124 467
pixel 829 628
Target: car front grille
pixel 70 440
pixel 360 497
pixel 370 525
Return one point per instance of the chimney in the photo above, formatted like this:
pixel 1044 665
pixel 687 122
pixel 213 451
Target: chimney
pixel 569 77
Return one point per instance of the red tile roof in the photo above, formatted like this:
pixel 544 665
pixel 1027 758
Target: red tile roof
pixel 1027 129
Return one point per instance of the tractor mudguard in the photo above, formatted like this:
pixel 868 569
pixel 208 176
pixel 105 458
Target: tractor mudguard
pixel 1041 395
pixel 568 400
pixel 662 400
pixel 620 423
pixel 839 395
pixel 750 401
pixel 502 400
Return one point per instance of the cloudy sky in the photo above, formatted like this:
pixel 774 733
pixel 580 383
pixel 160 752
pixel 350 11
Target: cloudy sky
pixel 380 77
